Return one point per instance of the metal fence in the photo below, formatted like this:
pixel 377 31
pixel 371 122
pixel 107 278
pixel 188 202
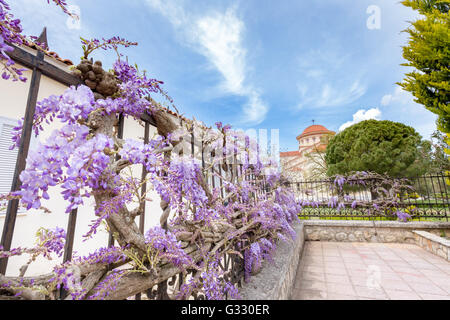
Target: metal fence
pixel 233 265
pixel 428 199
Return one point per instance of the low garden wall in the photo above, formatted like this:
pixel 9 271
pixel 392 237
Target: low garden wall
pixel 370 231
pixel 275 281
pixel 435 244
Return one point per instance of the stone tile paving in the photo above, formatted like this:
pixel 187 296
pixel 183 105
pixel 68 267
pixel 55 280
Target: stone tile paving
pixel 355 271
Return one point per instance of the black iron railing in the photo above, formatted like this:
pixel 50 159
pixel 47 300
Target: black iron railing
pixel 427 199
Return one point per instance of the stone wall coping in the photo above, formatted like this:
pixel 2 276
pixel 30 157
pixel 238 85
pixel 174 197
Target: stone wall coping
pixel 378 224
pixel 433 237
pixel 267 284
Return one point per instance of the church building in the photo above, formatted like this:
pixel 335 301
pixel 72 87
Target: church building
pixel 308 161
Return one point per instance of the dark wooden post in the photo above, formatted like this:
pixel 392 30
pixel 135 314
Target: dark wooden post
pixel 13 205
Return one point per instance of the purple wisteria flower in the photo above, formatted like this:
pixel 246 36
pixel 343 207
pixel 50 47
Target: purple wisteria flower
pixel 166 246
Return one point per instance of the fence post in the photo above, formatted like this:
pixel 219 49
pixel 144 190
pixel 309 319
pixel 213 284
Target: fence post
pixel 13 205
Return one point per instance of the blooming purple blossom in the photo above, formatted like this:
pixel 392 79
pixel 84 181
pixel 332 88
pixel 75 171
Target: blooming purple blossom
pixel 166 246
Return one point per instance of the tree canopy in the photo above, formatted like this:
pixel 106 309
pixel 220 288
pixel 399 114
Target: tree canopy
pixel 384 147
pixel 428 52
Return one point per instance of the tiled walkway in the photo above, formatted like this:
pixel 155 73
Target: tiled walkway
pixel 342 271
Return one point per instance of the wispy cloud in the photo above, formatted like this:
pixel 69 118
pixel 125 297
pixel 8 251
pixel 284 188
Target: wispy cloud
pixel 324 82
pixel 218 36
pixel 329 95
pixel 220 39
pixel 362 115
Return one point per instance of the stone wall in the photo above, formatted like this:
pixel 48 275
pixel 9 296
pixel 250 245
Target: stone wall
pixel 275 280
pixel 433 243
pixel 370 231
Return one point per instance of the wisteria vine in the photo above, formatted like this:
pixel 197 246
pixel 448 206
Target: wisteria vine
pixel 244 216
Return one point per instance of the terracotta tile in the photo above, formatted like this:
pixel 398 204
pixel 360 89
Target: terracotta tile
pixel 341 271
pixel 314 265
pixel 365 256
pixel 444 267
pixel 314 269
pixel 334 264
pixel 358 280
pixel 312 276
pixel 353 261
pixel 338 288
pixel 313 259
pixel 428 288
pixel 329 253
pixel 336 278
pixel 395 285
pixel 313 254
pixel 336 296
pixel 356 267
pixel 365 292
pixel 426 296
pixel 439 280
pixel 424 266
pixel 398 265
pixel 309 295
pixel 332 259
pixel 411 278
pixel 312 285
pixel 434 259
pixel 391 276
pixel 409 272
pixel 389 259
pixel 402 295
pixel 348 257
pixel 377 262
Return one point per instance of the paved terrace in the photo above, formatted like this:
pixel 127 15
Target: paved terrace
pixel 382 271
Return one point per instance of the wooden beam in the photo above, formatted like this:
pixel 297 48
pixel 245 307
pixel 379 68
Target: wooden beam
pixel 30 61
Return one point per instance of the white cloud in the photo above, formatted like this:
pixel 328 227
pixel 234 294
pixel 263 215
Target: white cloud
pixel 399 97
pixel 218 37
pixel 362 115
pixel 329 95
pixel 400 106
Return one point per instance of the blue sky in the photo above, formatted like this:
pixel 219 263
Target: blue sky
pixel 256 64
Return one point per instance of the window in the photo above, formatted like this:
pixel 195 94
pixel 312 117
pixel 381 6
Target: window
pixel 7 157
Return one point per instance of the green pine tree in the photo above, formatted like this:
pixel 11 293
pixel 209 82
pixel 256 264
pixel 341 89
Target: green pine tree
pixel 428 52
pixel 384 147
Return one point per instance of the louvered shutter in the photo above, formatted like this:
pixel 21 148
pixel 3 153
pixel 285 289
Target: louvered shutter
pixel 7 157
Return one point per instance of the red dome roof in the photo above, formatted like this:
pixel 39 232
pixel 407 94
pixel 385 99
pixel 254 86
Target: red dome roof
pixel 314 129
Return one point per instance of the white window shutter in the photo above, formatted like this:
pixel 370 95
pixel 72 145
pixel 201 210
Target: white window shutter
pixel 7 158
